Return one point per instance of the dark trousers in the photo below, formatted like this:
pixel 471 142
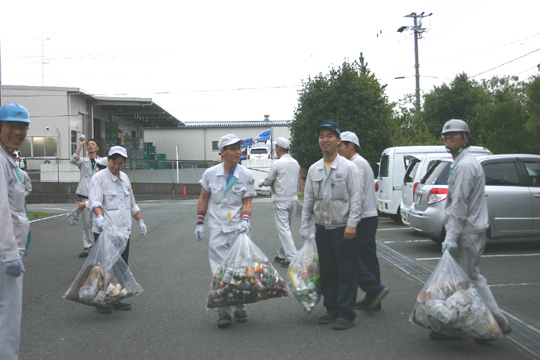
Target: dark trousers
pixel 125 254
pixel 369 272
pixel 338 262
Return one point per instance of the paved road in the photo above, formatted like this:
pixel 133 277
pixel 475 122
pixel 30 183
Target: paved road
pixel 169 320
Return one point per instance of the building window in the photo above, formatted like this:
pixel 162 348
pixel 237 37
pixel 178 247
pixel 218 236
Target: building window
pixel 40 146
pixel 215 146
pixel 74 141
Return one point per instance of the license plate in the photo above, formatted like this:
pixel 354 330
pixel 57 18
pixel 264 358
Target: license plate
pixel 381 206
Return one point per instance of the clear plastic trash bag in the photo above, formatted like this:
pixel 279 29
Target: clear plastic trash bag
pixel 450 304
pixel 105 278
pixel 246 276
pixel 303 276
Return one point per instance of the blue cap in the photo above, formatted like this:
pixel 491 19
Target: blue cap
pixel 330 125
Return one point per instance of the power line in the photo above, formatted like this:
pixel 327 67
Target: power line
pixel 508 62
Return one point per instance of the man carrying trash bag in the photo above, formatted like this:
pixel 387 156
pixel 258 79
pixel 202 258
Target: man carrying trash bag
pixel 332 195
pixel 226 192
pixel 467 214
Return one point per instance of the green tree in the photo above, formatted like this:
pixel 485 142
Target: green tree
pixel 532 125
pixel 407 128
pixel 350 96
pixel 462 99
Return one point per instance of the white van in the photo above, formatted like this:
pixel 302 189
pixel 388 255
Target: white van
pixel 392 168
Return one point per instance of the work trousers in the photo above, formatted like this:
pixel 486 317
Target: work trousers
pixel 338 263
pixel 10 314
pixel 369 271
pixel 87 217
pixel 470 249
pixel 284 213
pixel 219 245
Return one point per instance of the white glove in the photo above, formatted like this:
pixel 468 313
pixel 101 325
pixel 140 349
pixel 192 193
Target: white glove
pixel 100 222
pixel 304 231
pixel 73 217
pixel 14 267
pixel 244 226
pixel 143 228
pixel 199 232
pixel 261 183
pixel 449 245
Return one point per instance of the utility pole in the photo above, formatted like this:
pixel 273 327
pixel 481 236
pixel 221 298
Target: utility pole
pixel 418 31
pixel 43 60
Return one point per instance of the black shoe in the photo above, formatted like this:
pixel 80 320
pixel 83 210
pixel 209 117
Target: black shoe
pixel 122 306
pixel 285 264
pixel 327 319
pixel 84 253
pixel 342 324
pixel 240 316
pixel 364 304
pixel 224 319
pixel 279 260
pixel 377 300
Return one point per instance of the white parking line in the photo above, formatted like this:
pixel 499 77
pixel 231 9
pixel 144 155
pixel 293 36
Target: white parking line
pixel 484 256
pixel 518 284
pixel 401 228
pixel 49 217
pixel 408 241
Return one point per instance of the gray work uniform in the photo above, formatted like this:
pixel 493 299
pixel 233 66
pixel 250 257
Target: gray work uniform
pixel 14 227
pixel 87 171
pixel 467 222
pixel 283 182
pixel 224 212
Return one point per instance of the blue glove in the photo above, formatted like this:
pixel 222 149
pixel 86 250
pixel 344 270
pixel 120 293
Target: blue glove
pixel 14 267
pixel 244 226
pixel 100 222
pixel 73 217
pixel 199 232
pixel 449 245
pixel 143 228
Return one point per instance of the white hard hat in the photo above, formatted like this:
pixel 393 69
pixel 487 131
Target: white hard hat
pixel 283 143
pixel 118 150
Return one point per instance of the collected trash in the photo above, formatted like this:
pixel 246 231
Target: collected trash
pixel 104 278
pixel 246 276
pixel 303 276
pixel 450 305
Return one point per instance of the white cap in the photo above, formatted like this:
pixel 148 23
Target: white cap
pixel 350 137
pixel 103 161
pixel 283 143
pixel 227 140
pixel 118 150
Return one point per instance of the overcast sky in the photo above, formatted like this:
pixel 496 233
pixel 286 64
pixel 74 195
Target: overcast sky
pixel 241 60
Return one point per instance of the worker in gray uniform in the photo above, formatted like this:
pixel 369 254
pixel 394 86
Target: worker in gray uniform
pixel 283 182
pixel 14 225
pixel 88 167
pixel 467 214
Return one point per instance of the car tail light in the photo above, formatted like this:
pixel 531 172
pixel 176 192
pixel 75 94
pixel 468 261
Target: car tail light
pixel 249 157
pixel 437 195
pixel 414 188
pixel 269 156
pixel 377 186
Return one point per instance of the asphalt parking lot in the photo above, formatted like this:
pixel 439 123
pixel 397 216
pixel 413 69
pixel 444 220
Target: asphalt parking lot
pixel 169 319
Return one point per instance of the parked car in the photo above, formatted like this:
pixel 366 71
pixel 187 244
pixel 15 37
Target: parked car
pixel 418 168
pixel 512 193
pixel 394 162
pixel 258 153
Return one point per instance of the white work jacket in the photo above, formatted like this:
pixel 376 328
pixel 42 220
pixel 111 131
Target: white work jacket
pixel 283 179
pixel 369 203
pixel 14 224
pixel 226 200
pixel 333 198
pixel 466 206
pixel 115 198
pixel 87 171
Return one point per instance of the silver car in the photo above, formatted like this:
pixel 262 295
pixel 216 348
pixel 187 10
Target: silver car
pixel 512 194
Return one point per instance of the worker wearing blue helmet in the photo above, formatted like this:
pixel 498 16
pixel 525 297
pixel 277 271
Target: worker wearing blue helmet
pixel 14 122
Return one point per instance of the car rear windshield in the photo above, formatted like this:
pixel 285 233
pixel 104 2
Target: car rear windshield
pixel 259 151
pixel 437 174
pixel 411 171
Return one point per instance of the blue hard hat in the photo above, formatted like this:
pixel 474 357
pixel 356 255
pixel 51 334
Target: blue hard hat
pixel 14 112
